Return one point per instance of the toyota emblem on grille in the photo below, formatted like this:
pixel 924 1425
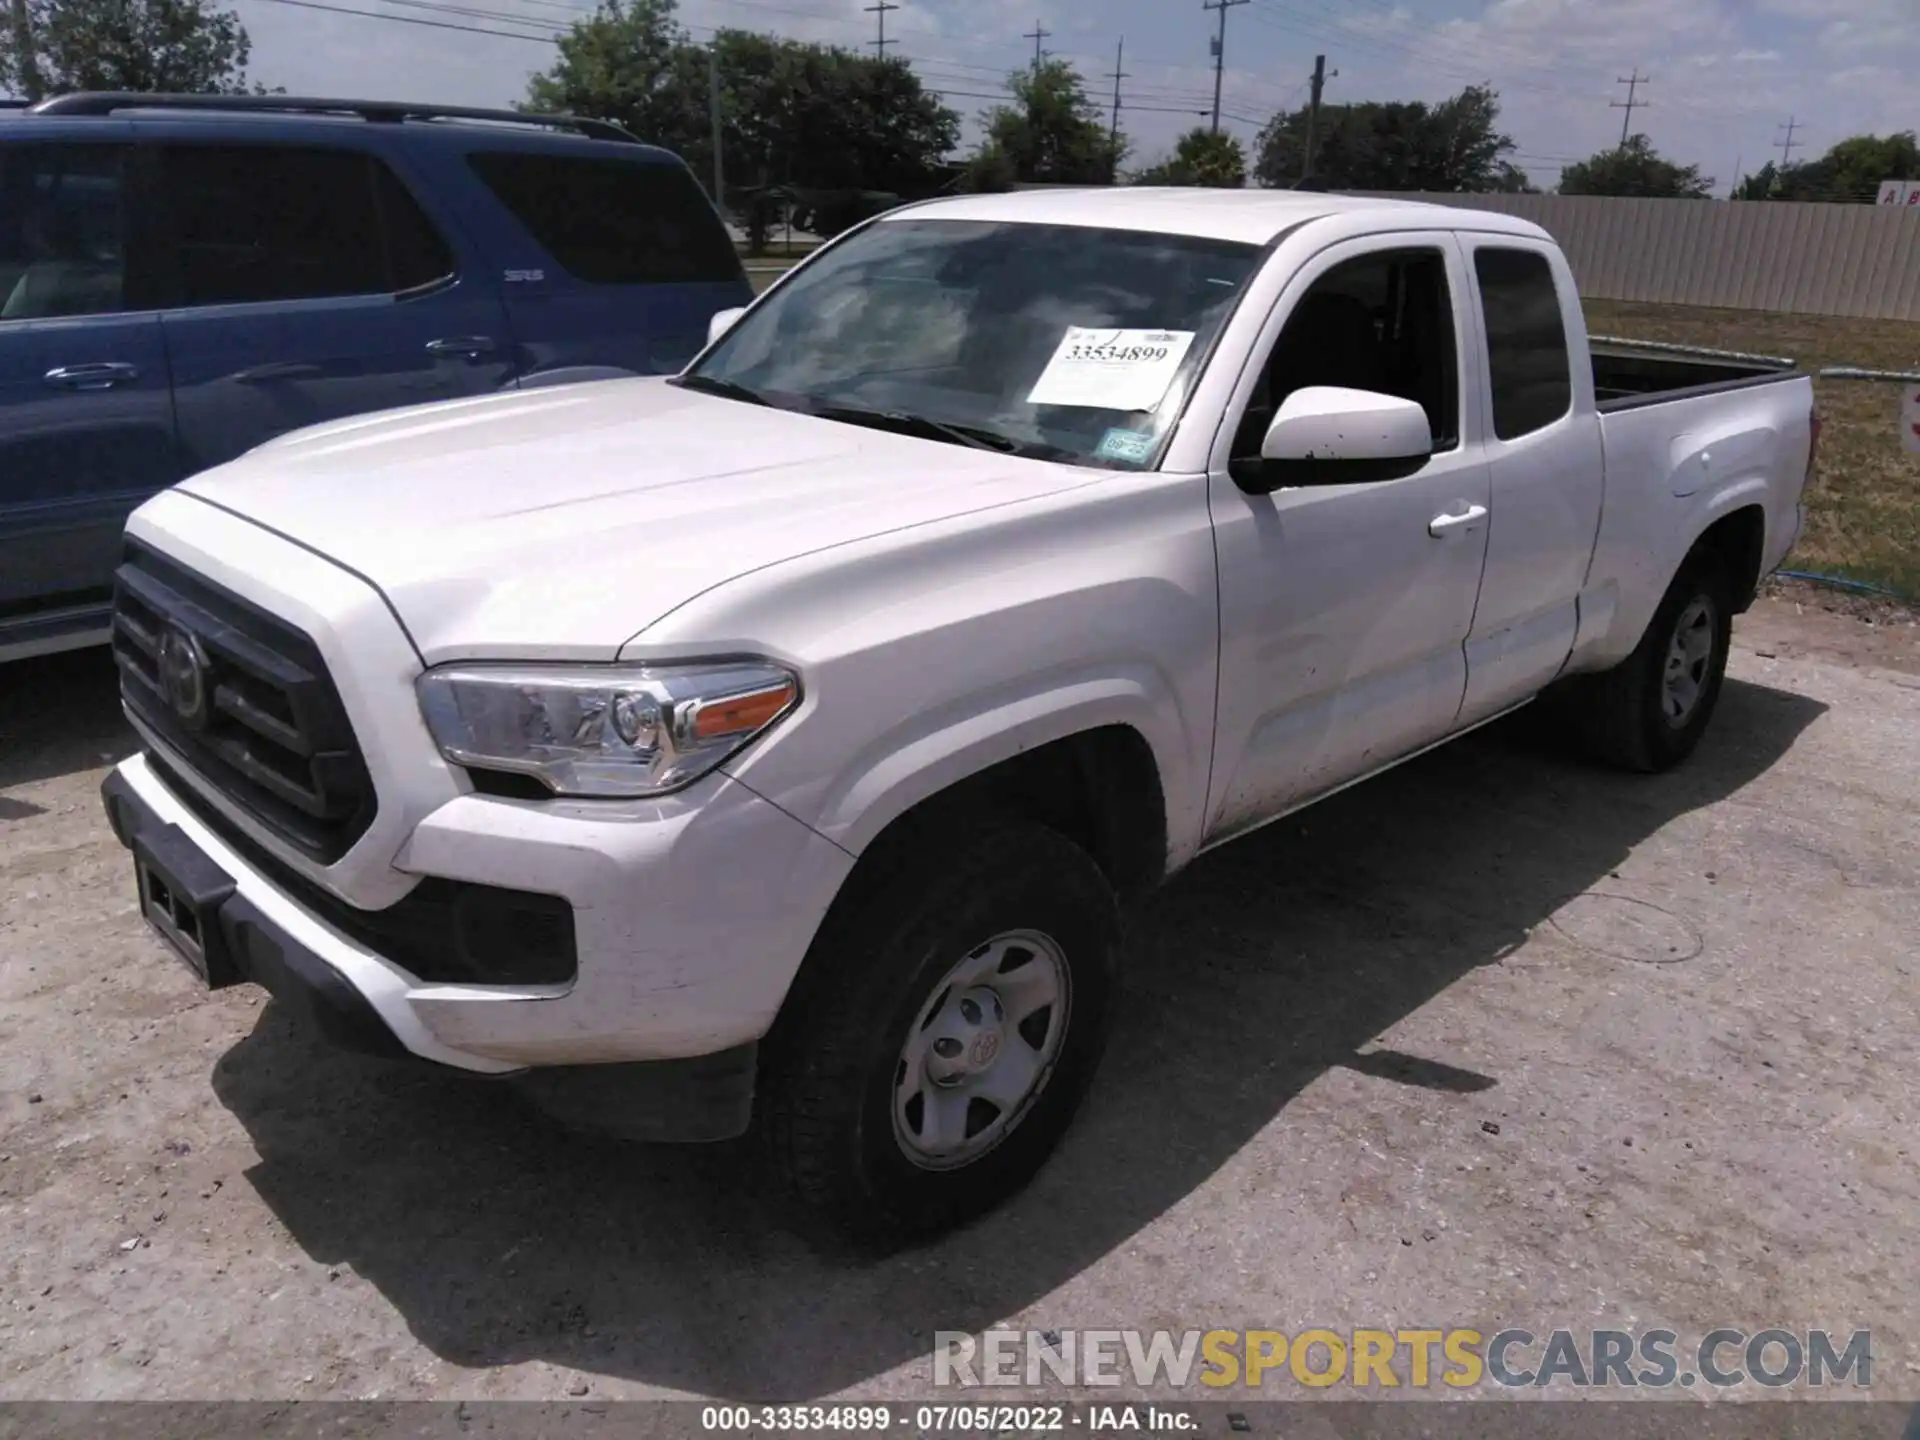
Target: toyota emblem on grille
pixel 183 675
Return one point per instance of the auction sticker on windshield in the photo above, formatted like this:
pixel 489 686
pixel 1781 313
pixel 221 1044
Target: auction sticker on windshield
pixel 1111 369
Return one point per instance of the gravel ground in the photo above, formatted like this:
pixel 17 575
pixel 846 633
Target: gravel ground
pixel 1496 1039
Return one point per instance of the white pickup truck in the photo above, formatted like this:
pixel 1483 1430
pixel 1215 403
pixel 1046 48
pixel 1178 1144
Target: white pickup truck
pixel 774 746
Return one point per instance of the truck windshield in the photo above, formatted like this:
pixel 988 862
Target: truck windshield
pixel 1051 341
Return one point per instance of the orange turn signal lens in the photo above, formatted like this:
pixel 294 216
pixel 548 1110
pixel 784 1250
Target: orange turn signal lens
pixel 742 714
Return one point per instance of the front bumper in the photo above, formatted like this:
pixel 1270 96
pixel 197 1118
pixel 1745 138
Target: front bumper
pixel 690 921
pixel 246 944
pixel 360 1003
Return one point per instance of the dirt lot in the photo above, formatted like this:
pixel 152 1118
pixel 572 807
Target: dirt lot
pixel 1497 1039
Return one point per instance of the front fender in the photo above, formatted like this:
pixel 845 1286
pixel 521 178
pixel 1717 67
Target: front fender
pixel 930 753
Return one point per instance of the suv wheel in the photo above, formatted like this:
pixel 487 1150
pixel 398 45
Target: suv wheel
pixel 943 1030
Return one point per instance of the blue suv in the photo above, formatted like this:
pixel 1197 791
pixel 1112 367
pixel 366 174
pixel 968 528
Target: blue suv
pixel 185 277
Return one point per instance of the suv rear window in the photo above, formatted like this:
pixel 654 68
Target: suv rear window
pixel 613 222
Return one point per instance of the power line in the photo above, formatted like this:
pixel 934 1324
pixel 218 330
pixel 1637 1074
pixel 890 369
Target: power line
pixel 1382 47
pixel 880 41
pixel 1630 104
pixel 1220 50
pixel 1789 145
pixel 1113 126
pixel 1313 114
pixel 413 20
pixel 1253 90
pixel 1194 107
pixel 1038 34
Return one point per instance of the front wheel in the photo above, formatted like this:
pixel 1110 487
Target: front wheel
pixel 943 1030
pixel 1649 712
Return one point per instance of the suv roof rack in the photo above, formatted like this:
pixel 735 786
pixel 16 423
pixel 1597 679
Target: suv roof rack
pixel 388 112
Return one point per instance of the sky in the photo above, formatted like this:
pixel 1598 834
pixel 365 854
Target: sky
pixel 1726 76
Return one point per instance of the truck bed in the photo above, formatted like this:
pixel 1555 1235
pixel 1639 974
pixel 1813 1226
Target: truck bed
pixel 1627 375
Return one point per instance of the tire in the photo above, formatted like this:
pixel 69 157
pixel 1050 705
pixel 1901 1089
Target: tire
pixel 875 1167
pixel 1631 716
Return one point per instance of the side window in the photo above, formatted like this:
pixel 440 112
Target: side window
pixel 62 231
pixel 1528 367
pixel 266 222
pixel 613 221
pixel 417 254
pixel 1381 322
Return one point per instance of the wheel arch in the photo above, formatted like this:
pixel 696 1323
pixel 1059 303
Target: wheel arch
pixel 1736 542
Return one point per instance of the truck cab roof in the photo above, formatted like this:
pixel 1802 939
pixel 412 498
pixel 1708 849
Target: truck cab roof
pixel 1254 217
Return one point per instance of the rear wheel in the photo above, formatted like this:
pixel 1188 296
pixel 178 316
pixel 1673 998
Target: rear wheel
pixel 942 1031
pixel 1649 712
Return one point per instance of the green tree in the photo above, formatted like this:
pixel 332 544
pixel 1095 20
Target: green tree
pixel 1635 168
pixel 1510 179
pixel 629 61
pixel 1052 133
pixel 991 171
pixel 1453 145
pixel 1850 171
pixel 794 116
pixel 151 46
pixel 1200 157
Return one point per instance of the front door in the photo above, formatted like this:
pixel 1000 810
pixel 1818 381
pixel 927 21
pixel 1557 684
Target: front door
pixel 311 285
pixel 1344 609
pixel 86 417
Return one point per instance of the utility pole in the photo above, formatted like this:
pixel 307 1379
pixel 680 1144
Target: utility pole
pixel 27 63
pixel 1319 84
pixel 1037 35
pixel 880 41
pixel 1632 103
pixel 1787 146
pixel 1220 50
pixel 713 114
pixel 1113 127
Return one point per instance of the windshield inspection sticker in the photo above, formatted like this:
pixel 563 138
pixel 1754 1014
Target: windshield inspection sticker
pixel 1111 369
pixel 1129 445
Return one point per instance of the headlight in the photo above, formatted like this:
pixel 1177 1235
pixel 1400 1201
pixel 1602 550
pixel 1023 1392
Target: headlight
pixel 608 730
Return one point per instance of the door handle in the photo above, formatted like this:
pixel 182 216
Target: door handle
pixel 277 370
pixel 1446 524
pixel 462 345
pixel 100 375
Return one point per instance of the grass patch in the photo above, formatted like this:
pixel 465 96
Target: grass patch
pixel 1863 513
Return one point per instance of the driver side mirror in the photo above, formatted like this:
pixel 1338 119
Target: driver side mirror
pixel 1326 435
pixel 723 322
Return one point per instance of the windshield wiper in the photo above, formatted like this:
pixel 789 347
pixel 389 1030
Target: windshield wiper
pixel 731 389
pixel 903 423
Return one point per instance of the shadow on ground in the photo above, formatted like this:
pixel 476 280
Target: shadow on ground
pixel 58 714
pixel 1285 954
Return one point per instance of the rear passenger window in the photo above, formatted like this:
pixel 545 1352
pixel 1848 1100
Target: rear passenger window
pixel 262 222
pixel 1529 371
pixel 62 240
pixel 613 222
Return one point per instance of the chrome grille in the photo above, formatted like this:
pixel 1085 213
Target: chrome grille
pixel 244 700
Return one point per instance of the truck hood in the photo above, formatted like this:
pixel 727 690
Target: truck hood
pixel 559 523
